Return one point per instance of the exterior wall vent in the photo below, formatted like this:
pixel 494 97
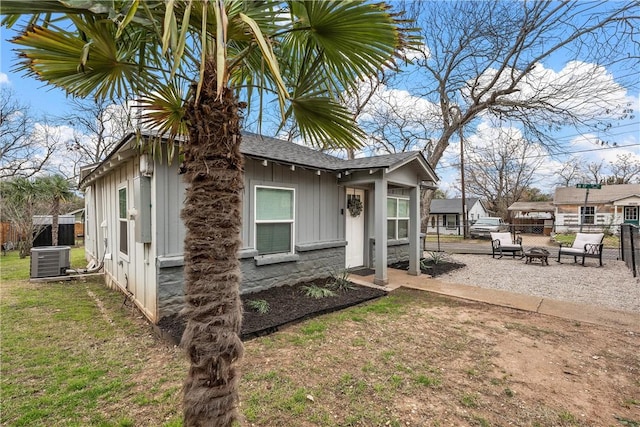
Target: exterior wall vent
pixel 49 261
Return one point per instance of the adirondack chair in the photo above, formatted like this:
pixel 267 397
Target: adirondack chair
pixel 586 245
pixel 502 242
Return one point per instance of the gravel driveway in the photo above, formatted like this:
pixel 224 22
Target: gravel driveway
pixel 611 286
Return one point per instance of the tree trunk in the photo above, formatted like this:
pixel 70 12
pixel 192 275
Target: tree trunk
pixel 55 219
pixel 212 216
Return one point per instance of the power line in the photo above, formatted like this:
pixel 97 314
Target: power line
pixel 550 155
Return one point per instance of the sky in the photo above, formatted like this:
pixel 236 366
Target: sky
pixel 623 138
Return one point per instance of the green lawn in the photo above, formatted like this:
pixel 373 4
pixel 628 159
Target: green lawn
pixel 73 355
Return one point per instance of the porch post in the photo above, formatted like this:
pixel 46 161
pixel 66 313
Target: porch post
pixel 380 221
pixel 414 231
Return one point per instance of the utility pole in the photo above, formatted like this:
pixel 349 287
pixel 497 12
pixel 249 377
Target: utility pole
pixel 458 113
pixel 464 201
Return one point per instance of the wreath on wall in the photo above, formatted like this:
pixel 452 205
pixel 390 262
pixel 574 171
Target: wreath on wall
pixel 354 206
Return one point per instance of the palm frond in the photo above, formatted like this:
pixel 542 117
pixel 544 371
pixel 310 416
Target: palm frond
pixel 325 123
pixel 95 67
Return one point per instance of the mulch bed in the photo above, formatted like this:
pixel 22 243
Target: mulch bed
pixel 290 304
pixel 428 266
pixel 287 304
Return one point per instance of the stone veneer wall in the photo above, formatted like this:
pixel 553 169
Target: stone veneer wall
pixel 397 250
pixel 311 261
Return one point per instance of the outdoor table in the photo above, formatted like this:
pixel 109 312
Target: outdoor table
pixel 537 253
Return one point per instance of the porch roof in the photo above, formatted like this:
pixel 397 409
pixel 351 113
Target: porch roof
pixel 532 207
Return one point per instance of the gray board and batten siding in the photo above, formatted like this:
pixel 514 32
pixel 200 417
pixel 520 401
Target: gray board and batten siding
pixel 152 269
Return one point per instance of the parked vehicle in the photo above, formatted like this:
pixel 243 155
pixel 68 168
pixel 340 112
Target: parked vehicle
pixel 483 227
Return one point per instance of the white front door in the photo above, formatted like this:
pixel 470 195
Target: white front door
pixel 354 228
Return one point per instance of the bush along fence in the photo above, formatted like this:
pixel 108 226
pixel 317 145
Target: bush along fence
pixel 630 247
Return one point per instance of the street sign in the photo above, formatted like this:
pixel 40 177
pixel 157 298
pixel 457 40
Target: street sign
pixel 597 186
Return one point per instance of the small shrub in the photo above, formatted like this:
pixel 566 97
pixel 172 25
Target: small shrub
pixel 259 305
pixel 436 257
pixel 424 265
pixel 315 291
pixel 340 281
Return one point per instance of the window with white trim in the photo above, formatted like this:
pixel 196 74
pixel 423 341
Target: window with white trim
pixel 631 213
pixel 123 223
pixel 451 222
pixel 274 220
pixel 588 214
pixel 397 218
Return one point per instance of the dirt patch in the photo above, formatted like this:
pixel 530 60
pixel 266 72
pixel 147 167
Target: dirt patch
pixel 441 361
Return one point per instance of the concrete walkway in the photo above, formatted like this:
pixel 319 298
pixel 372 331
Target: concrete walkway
pixel 578 312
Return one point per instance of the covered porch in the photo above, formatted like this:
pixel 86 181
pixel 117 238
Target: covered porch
pixel 389 226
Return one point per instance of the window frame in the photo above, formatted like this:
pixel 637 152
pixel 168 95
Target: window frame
pixel 291 221
pixel 587 218
pixel 626 213
pixel 123 221
pixel 397 218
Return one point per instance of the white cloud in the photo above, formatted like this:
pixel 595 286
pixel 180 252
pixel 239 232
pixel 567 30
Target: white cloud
pixel 4 79
pixel 586 90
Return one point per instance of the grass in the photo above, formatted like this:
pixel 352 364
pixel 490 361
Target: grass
pixel 610 241
pixel 73 355
pixel 12 267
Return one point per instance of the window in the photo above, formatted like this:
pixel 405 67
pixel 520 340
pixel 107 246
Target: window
pixel 274 220
pixel 588 214
pixel 397 218
pixel 123 224
pixel 451 222
pixel 631 213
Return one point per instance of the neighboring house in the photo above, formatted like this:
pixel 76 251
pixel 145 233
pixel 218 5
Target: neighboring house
pixel 605 208
pixel 445 215
pixel 532 217
pixel 305 215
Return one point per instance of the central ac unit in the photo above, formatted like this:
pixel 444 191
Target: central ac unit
pixel 49 261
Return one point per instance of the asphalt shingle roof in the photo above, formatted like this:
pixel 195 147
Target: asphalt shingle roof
pixel 449 206
pixel 607 194
pixel 263 147
pixel 278 150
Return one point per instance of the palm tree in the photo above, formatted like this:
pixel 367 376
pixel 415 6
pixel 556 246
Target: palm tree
pixel 302 53
pixel 57 189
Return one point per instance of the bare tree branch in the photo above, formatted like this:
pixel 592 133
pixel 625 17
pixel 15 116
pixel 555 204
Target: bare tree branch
pixel 23 152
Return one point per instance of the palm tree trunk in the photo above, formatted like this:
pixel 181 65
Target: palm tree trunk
pixel 212 216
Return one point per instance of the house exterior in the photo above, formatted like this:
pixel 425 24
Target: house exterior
pixel 445 215
pixel 603 209
pixel 305 215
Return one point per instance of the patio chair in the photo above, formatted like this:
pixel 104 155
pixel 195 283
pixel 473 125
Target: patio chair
pixel 502 242
pixel 586 245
